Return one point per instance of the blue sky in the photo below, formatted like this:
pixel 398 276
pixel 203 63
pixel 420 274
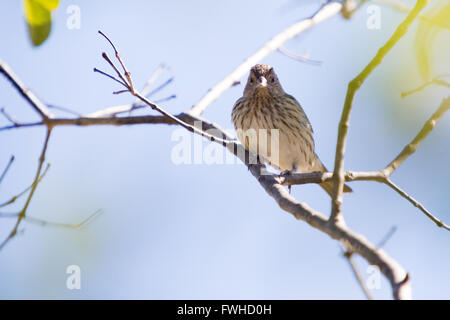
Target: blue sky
pixel 209 231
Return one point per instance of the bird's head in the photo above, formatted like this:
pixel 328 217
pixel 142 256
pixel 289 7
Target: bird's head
pixel 262 81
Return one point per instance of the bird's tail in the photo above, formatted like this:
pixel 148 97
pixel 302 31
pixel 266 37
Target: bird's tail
pixel 328 185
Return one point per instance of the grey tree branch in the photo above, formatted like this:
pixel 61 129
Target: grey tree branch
pixel 37 105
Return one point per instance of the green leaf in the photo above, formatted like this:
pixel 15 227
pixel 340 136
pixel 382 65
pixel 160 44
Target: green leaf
pixel 48 4
pixel 436 20
pixel 39 18
pixel 38 34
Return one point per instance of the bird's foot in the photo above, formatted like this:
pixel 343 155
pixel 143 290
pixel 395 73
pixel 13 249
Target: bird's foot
pixel 284 174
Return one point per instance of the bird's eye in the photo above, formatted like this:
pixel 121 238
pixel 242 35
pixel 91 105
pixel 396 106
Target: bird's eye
pixel 251 80
pixel 273 80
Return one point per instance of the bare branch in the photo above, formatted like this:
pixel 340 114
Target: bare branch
pixel 44 223
pixel 67 110
pixel 128 85
pixel 387 237
pixel 359 278
pixel 110 76
pixel 13 199
pixel 146 89
pixel 412 146
pixel 113 111
pixel 302 58
pixel 127 74
pixel 353 86
pixel 27 94
pixel 22 213
pixel 9 117
pixel 417 204
pixel 158 88
pixel 351 240
pixel 320 177
pixel 349 176
pixel 5 171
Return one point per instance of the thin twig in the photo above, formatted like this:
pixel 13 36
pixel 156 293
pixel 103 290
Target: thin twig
pixel 298 57
pixel 158 88
pixel 359 278
pixel 387 237
pixel 67 110
pixel 109 76
pixel 9 117
pixel 8 166
pixel 423 133
pixel 436 80
pixel 127 74
pixel 22 213
pixel 344 123
pixel 36 104
pixel 417 204
pixel 349 176
pixel 13 199
pixel 128 85
pixel 146 89
pixel 22 125
pixel 44 223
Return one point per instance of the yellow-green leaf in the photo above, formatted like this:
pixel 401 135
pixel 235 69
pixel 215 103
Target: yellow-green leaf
pixel 39 33
pixel 36 14
pixel 48 4
pixel 39 18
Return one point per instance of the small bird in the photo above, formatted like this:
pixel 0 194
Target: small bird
pixel 265 106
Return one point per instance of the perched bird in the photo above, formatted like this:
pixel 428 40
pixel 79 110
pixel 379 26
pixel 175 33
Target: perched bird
pixel 264 107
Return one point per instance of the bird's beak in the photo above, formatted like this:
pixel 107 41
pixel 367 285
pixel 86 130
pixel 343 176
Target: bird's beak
pixel 262 82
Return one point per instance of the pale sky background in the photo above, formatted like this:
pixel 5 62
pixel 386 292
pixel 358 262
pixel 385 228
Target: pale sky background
pixel 210 231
